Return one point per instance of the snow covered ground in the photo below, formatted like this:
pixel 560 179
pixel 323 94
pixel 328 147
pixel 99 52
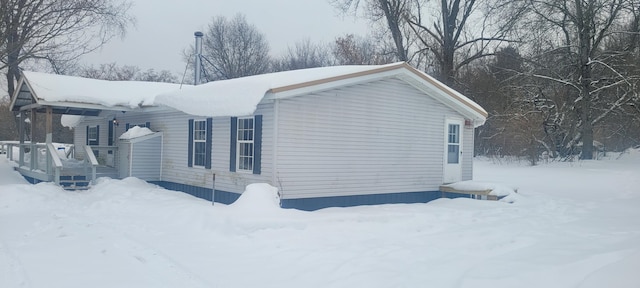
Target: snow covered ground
pixel 571 225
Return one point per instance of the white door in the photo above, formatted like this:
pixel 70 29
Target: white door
pixel 453 151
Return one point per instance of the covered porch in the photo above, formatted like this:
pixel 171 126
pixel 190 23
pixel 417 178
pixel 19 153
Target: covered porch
pixel 71 166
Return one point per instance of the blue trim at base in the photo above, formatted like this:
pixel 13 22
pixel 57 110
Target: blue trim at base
pixel 31 179
pixel 310 204
pixel 455 195
pixel 223 197
pixel 307 204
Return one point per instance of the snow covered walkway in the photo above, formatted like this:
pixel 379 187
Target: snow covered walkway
pixel 571 225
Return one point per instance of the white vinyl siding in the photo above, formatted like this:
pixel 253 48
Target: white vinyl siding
pixel 175 143
pixel 146 159
pixel 378 137
pixel 371 138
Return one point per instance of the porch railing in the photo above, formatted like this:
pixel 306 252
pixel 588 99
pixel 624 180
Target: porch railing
pixel 54 162
pixel 41 159
pixel 90 160
pixel 43 162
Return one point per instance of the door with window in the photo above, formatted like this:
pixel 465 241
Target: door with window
pixel 453 151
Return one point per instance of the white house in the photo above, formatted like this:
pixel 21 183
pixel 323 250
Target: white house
pixel 331 136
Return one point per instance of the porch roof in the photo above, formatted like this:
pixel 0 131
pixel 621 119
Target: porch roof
pixel 83 96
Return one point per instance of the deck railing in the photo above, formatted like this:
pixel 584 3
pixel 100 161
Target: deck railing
pixel 91 161
pixel 54 163
pixel 44 163
pixel 39 158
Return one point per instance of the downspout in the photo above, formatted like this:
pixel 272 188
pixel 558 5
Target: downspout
pixel 274 168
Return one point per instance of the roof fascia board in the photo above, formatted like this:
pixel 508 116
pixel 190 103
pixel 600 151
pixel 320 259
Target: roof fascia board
pixel 330 83
pixel 445 98
pixel 448 91
pixel 84 106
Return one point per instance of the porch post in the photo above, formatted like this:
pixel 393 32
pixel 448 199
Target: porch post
pixel 49 137
pixel 32 117
pixel 34 156
pixel 21 131
pixel 48 140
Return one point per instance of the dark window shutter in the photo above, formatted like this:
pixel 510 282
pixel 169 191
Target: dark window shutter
pixel 232 144
pixel 257 143
pixel 110 140
pixel 148 125
pixel 208 144
pixel 126 127
pixel 87 135
pixel 97 136
pixel 190 149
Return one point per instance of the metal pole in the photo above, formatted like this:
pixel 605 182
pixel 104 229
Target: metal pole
pixel 198 59
pixel 213 190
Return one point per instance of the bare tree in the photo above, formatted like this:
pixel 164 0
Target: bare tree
pixel 111 71
pixel 234 48
pixel 8 130
pixel 55 31
pixel 304 54
pixel 596 83
pixel 461 31
pixel 392 11
pixel 354 50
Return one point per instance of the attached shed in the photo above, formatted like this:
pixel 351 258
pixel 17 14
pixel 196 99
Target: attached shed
pixel 140 154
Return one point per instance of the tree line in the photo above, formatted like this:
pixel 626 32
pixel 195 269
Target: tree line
pixel 558 77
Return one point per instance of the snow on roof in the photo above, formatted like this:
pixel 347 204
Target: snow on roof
pixel 61 88
pixel 240 96
pixel 234 97
pixel 135 132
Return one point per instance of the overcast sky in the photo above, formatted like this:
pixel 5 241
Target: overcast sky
pixel 165 27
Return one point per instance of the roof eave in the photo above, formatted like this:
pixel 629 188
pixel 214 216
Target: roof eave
pixel 332 82
pixel 18 90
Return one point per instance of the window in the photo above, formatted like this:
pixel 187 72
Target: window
pixel 453 146
pixel 93 135
pixel 199 142
pixel 245 144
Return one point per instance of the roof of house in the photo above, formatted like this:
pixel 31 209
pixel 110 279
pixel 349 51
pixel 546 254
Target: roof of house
pixel 78 95
pixel 240 96
pixel 234 97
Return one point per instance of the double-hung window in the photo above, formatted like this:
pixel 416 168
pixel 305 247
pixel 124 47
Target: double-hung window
pixel 92 135
pixel 199 142
pixel 245 144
